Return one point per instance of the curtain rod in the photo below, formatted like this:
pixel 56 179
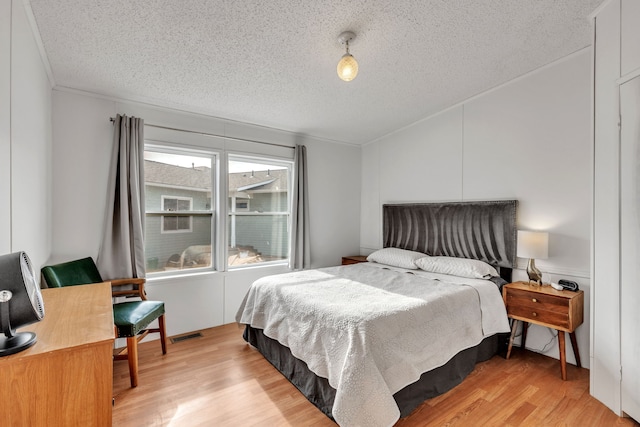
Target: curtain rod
pixel 111 119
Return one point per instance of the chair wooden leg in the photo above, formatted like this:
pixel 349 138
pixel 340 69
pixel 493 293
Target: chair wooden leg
pixel 132 357
pixel 163 334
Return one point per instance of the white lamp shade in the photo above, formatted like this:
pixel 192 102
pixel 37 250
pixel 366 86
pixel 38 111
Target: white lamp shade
pixel 533 244
pixel 347 68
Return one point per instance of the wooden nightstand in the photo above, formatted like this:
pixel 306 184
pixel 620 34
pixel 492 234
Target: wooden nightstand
pixel 545 306
pixel 353 259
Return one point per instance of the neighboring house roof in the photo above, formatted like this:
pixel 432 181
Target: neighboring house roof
pixel 255 186
pixel 199 178
pixel 177 176
pixel 271 180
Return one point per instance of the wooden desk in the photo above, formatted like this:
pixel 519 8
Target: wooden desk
pixel 66 378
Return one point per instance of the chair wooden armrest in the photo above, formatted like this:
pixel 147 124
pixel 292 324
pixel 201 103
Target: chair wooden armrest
pixel 131 318
pixel 138 283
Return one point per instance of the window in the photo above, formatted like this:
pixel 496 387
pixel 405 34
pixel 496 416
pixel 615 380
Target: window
pixel 183 233
pixel 242 205
pixel 179 181
pixel 175 223
pixel 259 210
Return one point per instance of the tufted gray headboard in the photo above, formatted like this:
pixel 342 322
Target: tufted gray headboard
pixel 484 230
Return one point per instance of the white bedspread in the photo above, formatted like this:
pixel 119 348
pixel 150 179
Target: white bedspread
pixel 372 331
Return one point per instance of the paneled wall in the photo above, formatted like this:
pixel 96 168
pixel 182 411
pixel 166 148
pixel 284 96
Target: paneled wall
pixel 5 127
pixel 615 367
pixel 529 139
pixel 629 37
pixel 25 138
pixel 605 356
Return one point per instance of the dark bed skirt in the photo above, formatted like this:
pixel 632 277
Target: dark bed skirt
pixel 431 384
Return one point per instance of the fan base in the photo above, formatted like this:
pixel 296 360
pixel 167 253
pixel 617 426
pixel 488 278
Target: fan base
pixel 16 343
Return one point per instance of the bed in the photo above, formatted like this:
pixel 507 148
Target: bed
pixel 367 343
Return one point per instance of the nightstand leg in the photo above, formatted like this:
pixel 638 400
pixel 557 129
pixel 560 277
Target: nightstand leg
pixel 563 357
pixel 576 352
pixel 525 328
pixel 514 326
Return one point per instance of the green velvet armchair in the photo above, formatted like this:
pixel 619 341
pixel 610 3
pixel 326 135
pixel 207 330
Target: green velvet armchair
pixel 131 318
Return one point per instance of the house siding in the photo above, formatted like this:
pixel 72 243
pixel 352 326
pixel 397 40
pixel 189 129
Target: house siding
pixel 161 246
pixel 268 235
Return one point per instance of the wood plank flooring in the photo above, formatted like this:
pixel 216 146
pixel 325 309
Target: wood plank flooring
pixel 219 380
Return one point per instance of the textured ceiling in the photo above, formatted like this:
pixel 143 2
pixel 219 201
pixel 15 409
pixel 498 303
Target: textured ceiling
pixel 273 63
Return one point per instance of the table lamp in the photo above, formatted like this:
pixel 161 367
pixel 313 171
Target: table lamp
pixel 533 245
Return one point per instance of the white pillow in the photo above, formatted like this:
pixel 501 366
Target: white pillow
pixel 463 267
pixel 396 257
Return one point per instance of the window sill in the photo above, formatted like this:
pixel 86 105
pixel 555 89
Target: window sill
pixel 173 276
pixel 196 274
pixel 258 266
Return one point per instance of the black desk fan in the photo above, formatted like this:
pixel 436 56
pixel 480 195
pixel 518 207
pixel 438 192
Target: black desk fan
pixel 20 302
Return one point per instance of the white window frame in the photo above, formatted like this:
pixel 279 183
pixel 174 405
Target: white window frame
pixel 266 160
pixel 241 200
pixel 214 210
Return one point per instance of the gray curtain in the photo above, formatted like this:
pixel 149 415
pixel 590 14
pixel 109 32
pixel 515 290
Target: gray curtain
pixel 300 252
pixel 122 251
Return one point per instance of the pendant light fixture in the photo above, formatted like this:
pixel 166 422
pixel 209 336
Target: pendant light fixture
pixel 348 66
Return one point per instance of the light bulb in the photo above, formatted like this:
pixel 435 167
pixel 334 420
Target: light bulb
pixel 347 67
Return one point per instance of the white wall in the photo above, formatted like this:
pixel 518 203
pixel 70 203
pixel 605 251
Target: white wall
pixel 81 153
pixel 25 138
pixel 529 140
pixel 614 334
pixel 605 358
pixel 5 127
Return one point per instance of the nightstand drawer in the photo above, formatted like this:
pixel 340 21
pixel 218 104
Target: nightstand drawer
pixel 533 314
pixel 538 307
pixel 537 301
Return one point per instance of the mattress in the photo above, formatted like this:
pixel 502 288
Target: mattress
pixel 372 331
